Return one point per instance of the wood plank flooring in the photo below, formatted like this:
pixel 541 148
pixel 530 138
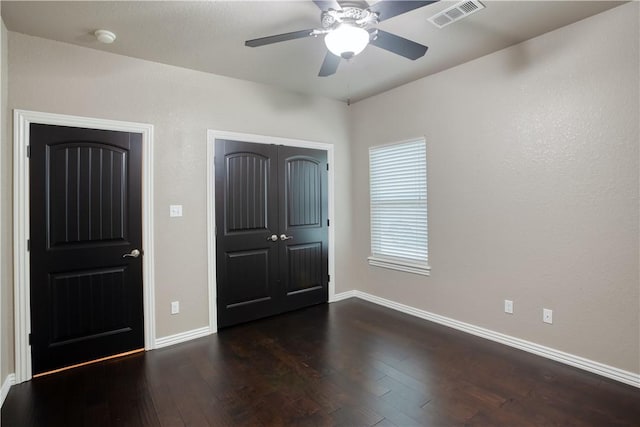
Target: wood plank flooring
pixel 350 363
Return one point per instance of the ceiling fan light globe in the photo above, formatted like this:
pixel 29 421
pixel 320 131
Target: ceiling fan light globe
pixel 347 40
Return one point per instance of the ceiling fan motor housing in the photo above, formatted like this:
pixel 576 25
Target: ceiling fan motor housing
pixel 355 16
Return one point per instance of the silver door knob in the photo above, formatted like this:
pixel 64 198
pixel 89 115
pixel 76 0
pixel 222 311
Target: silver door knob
pixel 134 254
pixel 285 237
pixel 273 238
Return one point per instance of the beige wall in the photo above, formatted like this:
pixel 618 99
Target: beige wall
pixel 6 206
pixel 533 176
pixel 533 188
pixel 182 104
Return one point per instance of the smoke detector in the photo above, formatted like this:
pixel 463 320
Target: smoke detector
pixel 105 36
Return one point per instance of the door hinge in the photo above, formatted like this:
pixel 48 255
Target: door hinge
pixel 328 223
pixel 28 151
pixel 327 166
pixel 29 339
pixel 28 245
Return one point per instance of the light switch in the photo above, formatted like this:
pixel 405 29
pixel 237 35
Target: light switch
pixel 175 210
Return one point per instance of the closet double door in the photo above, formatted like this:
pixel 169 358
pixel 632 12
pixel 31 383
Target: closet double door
pixel 271 229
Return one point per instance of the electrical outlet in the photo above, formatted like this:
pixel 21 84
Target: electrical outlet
pixel 508 306
pixel 175 307
pixel 547 315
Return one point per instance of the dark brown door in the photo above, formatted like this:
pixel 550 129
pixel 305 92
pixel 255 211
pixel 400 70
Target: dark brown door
pixel 85 203
pixel 302 219
pixel 271 230
pixel 246 216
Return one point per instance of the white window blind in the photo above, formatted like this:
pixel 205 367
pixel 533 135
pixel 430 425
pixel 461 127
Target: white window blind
pixel 398 180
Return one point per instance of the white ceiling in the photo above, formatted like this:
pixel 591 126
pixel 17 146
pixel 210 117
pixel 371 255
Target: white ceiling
pixel 209 36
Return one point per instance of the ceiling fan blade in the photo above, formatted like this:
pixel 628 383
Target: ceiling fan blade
pixel 329 65
pixel 350 3
pixel 399 45
pixel 389 8
pixel 327 4
pixel 278 38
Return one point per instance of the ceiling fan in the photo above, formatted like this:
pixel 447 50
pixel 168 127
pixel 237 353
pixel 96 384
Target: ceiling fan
pixel 349 26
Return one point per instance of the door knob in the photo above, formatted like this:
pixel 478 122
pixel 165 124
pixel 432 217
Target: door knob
pixel 134 254
pixel 272 238
pixel 285 237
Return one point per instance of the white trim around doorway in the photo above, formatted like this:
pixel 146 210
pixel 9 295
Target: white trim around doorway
pixel 21 121
pixel 212 135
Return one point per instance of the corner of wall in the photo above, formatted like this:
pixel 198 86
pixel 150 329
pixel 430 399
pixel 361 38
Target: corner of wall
pixel 6 203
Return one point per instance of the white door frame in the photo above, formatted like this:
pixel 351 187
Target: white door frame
pixel 212 136
pixel 22 302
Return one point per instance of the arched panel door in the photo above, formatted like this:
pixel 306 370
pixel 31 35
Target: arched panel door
pixel 246 216
pixel 85 221
pixel 271 229
pixel 303 253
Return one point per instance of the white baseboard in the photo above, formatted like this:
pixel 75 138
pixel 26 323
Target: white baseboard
pixel 343 295
pixel 6 386
pixel 611 372
pixel 182 337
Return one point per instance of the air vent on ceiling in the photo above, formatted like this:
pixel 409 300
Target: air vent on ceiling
pixel 455 13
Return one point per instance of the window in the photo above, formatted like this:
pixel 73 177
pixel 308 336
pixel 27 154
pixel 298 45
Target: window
pixel 398 186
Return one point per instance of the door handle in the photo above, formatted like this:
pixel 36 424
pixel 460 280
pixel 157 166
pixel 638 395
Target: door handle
pixel 134 254
pixel 285 237
pixel 272 238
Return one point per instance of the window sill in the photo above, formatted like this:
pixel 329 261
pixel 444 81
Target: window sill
pixel 400 265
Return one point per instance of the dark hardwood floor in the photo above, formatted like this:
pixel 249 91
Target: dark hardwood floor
pixel 350 363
